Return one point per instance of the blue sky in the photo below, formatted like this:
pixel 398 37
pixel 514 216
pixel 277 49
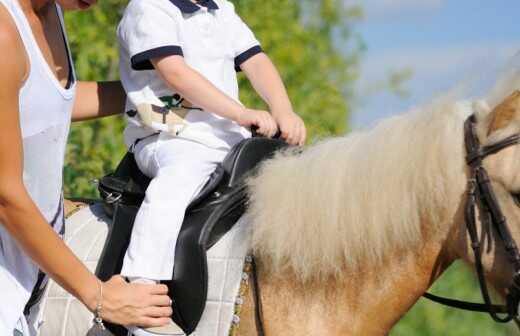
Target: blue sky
pixel 445 44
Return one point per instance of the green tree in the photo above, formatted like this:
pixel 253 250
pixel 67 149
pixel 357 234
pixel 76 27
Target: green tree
pixel 301 36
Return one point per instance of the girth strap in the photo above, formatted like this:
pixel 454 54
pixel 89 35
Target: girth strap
pixel 257 297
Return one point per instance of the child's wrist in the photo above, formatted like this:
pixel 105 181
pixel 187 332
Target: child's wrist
pixel 238 113
pixel 280 109
pixel 276 113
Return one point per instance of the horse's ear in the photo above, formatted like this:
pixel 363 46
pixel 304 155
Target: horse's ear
pixel 502 121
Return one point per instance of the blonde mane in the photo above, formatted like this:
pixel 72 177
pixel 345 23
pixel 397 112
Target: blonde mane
pixel 347 201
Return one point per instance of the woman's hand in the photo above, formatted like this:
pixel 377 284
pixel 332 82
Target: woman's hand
pixel 291 127
pixel 134 304
pixel 261 119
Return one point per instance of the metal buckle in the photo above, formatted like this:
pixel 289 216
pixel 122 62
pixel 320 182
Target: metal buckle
pixel 472 186
pixel 113 197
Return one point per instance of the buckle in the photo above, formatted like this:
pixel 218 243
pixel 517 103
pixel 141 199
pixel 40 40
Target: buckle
pixel 113 197
pixel 472 186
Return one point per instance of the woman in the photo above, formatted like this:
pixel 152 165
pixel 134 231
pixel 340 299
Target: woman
pixel 38 98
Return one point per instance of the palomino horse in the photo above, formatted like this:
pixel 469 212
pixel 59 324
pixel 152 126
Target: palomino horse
pixel 349 233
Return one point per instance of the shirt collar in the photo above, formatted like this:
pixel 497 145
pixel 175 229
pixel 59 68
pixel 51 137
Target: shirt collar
pixel 188 7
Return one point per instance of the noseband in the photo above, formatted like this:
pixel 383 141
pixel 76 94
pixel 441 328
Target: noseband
pixel 480 195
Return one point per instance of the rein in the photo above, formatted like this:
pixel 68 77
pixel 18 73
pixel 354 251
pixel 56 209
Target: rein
pixel 480 195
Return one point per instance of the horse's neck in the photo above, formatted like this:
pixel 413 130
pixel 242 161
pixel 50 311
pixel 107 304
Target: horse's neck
pixel 369 302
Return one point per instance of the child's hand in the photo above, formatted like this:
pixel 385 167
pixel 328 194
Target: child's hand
pixel 292 128
pixel 261 119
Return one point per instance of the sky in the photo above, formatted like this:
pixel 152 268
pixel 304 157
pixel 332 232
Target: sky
pixel 444 44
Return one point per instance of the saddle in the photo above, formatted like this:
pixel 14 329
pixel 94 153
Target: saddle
pixel 214 211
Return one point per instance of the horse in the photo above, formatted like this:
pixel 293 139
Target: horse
pixel 350 232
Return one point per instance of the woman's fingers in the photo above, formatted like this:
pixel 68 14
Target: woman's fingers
pixel 136 304
pixel 158 311
pixel 159 289
pixel 160 301
pixel 148 322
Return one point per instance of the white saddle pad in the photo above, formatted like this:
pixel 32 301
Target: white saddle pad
pixel 63 315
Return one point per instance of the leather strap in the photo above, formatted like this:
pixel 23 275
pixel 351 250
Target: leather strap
pixel 257 299
pixel 480 194
pixel 464 305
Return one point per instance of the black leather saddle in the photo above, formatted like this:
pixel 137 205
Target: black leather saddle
pixel 210 215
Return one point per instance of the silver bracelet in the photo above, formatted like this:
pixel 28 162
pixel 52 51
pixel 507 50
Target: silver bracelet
pixel 99 307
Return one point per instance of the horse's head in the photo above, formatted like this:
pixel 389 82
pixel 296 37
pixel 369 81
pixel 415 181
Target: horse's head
pixel 503 167
pixel 495 126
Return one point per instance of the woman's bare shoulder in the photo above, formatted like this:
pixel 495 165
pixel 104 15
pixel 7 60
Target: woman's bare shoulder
pixel 13 65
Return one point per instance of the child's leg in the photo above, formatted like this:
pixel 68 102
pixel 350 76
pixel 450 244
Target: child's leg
pixel 180 168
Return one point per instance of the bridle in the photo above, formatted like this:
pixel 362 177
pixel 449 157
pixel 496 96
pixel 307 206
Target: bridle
pixel 480 195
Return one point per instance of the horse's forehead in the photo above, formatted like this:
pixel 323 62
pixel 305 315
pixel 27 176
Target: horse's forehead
pixel 505 112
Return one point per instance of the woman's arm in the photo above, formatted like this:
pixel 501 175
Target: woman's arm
pixel 98 99
pixel 267 82
pixel 122 302
pixel 18 212
pixel 202 93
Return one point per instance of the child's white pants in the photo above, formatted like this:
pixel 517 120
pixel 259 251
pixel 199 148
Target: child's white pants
pixel 179 168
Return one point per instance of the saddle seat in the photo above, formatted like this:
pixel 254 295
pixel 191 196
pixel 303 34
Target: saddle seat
pixel 214 211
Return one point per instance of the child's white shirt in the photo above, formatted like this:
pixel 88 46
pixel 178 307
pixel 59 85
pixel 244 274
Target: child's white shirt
pixel 212 39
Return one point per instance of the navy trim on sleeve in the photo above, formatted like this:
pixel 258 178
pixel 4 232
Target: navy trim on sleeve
pixel 141 61
pixel 240 59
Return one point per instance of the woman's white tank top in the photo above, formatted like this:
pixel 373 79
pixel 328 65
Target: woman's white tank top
pixel 45 113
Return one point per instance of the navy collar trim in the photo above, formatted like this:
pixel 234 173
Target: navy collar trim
pixel 188 7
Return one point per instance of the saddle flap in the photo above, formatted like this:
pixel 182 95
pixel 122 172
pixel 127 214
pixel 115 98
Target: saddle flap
pixel 208 218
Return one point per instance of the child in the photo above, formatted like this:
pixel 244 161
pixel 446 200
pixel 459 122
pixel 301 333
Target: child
pixel 178 65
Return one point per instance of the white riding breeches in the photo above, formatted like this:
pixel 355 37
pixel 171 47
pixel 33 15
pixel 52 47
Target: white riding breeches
pixel 179 169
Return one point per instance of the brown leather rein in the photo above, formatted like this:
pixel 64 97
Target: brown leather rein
pixel 480 195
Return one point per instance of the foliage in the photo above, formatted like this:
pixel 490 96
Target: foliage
pixel 430 319
pixel 300 36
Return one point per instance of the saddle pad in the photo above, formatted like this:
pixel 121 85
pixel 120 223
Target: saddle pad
pixel 63 315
